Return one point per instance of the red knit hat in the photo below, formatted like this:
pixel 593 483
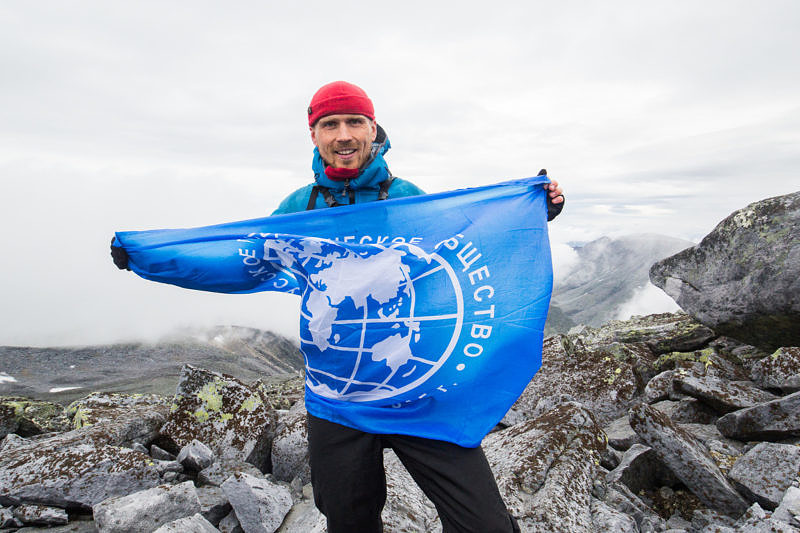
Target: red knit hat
pixel 339 97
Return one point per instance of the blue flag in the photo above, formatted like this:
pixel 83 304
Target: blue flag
pixel 419 316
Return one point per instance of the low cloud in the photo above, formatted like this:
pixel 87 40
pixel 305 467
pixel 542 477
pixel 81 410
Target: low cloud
pixel 647 300
pixel 565 259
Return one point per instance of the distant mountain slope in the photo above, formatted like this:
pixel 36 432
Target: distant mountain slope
pixel 608 274
pixel 245 353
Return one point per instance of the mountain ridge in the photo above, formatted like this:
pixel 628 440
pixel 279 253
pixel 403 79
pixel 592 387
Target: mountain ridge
pixel 143 367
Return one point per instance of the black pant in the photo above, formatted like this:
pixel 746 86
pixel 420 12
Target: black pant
pixel 350 484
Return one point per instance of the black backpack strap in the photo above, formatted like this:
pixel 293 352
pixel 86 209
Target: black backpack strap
pixel 328 195
pixel 312 198
pixel 383 192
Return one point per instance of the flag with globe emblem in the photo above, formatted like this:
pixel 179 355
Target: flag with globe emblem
pixel 418 316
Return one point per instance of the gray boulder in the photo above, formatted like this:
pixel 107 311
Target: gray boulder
pixel 79 475
pixel 72 527
pixel 230 524
pixel 290 446
pixel 7 519
pixel 12 440
pixel 304 518
pixel 775 420
pixel 216 474
pixel 743 277
pixel 608 520
pixel 610 458
pixel 620 497
pixel 765 472
pixel 235 420
pixel 545 468
pixel 724 396
pixel 106 406
pixel 687 411
pixel 781 370
pixel 659 334
pixel 640 469
pixel 789 509
pixel 709 518
pixel 659 388
pixel 145 511
pixel 259 504
pixel 756 520
pixel 620 434
pixel 190 524
pixel 195 456
pixel 161 454
pixel 687 458
pixel 214 504
pixel 41 515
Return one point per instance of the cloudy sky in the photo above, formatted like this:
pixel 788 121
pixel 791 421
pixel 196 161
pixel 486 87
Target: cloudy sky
pixel 655 116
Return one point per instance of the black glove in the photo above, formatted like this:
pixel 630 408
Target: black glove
pixel 119 255
pixel 553 210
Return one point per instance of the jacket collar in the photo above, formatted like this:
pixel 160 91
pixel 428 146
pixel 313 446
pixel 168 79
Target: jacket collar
pixel 375 171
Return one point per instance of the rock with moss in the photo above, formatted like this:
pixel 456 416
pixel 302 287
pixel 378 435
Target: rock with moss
pixel 597 379
pixel 9 419
pixel 724 396
pixel 73 475
pixel 606 518
pixel 545 468
pixel 640 469
pixel 283 391
pixel 41 515
pixel 659 388
pixel 105 406
pixel 620 434
pixel 687 411
pixel 618 496
pixel 687 458
pixel 661 333
pixel 232 418
pixel 742 280
pixel 27 417
pixel 775 420
pixel 216 474
pixel 781 370
pixel 290 457
pixel 766 472
pixel 8 520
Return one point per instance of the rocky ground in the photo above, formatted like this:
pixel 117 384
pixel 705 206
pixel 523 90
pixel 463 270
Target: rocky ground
pixel 655 424
pixel 652 424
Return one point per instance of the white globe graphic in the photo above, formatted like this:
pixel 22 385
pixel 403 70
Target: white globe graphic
pixel 366 335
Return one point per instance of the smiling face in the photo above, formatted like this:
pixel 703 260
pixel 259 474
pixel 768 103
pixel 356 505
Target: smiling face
pixel 344 141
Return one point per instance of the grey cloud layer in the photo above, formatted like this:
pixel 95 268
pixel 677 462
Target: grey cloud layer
pixel 143 115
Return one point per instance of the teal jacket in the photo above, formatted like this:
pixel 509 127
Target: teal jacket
pixel 365 187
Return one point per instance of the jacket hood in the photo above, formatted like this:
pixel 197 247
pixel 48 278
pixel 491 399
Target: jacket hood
pixel 375 171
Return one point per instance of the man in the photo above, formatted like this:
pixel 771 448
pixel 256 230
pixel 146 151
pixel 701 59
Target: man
pixel 347 464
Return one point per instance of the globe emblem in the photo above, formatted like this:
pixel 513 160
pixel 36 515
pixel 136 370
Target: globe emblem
pixel 376 321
